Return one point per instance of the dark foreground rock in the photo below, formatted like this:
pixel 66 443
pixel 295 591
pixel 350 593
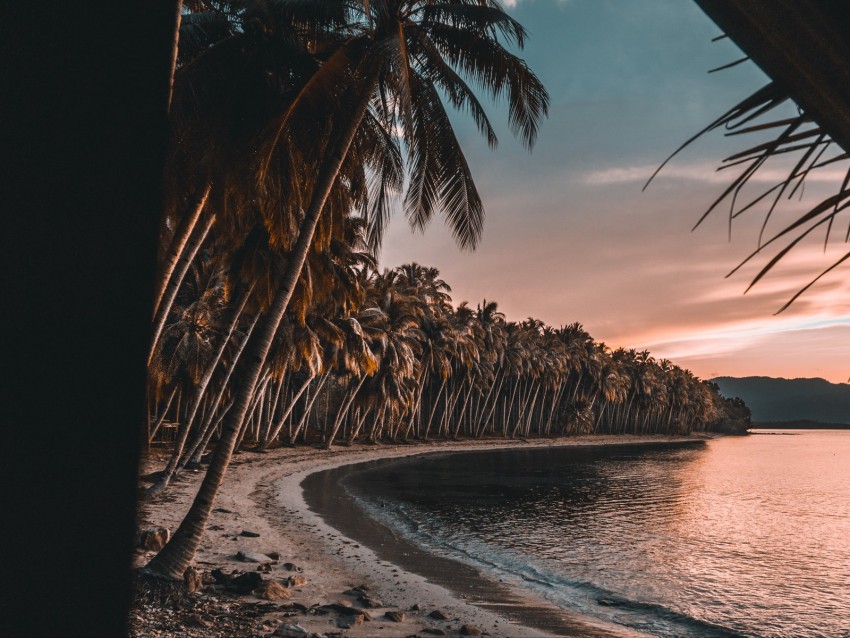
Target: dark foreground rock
pixel 153 539
pixel 164 609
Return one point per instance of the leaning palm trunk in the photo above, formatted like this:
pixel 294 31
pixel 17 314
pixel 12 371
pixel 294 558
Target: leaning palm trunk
pixel 172 466
pixel 272 435
pixel 173 286
pixel 173 560
pixel 434 405
pixel 195 458
pixel 343 409
pixel 178 244
pixel 309 407
pixel 198 445
pixel 153 431
pixel 360 421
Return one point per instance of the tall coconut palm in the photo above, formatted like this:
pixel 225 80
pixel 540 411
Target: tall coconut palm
pixel 402 54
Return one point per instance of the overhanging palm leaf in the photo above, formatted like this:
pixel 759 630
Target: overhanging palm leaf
pixel 791 135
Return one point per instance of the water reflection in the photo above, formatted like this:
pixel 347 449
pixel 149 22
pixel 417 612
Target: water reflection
pixel 750 534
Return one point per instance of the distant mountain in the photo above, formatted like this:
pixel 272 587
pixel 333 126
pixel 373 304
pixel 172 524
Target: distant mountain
pixel 775 400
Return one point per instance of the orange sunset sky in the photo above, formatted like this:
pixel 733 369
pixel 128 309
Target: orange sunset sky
pixel 569 236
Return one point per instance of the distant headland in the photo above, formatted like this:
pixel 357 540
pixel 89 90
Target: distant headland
pixel 799 403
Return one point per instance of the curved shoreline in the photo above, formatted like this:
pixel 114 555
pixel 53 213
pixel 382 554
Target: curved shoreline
pixel 263 493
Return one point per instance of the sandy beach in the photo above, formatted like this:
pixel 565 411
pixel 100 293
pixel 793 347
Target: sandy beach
pixel 263 495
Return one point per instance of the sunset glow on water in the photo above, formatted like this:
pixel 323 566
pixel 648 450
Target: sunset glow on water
pixel 744 536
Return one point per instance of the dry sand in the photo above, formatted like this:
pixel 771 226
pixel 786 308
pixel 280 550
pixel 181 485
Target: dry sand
pixel 263 494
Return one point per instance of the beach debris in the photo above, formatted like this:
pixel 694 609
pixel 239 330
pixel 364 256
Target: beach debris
pixel 153 538
pixel 264 568
pixel 344 610
pixel 291 631
pixel 219 577
pixel 432 631
pixel 244 583
pixel 193 579
pixel 249 534
pixel 294 607
pixel 296 581
pixel 221 510
pixel 438 615
pixel 395 616
pixel 247 556
pixel 292 567
pixel 415 607
pixel 347 622
pixel 273 555
pixel 362 597
pixel 197 620
pixel 470 630
pixel 272 590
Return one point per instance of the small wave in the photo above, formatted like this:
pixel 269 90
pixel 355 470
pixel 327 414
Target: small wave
pixel 575 595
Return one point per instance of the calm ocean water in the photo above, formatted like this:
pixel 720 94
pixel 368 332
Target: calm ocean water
pixel 744 536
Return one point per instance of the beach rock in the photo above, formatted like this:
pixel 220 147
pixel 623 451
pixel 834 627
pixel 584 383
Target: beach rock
pixel 193 579
pixel 153 538
pixel 292 567
pixel 219 577
pixel 432 631
pixel 247 556
pixel 415 607
pixel 221 510
pixel 345 610
pixel 395 616
pixel 270 590
pixel 438 615
pixel 296 581
pixel 291 631
pixel 244 583
pixel 470 630
pixel 249 534
pixel 371 603
pixel 295 607
pixel 196 620
pixel 347 622
pixel 273 555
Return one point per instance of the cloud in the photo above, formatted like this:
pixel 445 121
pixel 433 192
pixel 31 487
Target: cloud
pixel 701 172
pixel 722 341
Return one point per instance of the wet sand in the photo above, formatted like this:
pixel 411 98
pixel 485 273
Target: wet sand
pixel 324 495
pixel 322 531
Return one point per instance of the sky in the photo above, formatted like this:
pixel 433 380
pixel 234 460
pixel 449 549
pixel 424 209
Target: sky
pixel 570 236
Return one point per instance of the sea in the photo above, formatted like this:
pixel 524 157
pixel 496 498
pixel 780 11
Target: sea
pixel 740 536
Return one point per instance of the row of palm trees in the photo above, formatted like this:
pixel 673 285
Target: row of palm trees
pixel 396 360
pixel 296 127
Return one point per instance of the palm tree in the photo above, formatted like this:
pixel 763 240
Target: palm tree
pixel 401 54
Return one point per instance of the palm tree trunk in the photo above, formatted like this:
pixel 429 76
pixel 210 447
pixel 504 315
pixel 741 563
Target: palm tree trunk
pixel 198 452
pixel 434 405
pixel 172 467
pixel 281 420
pixel 174 52
pixel 162 416
pixel 186 258
pixel 309 407
pixel 178 244
pixel 202 434
pixel 342 410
